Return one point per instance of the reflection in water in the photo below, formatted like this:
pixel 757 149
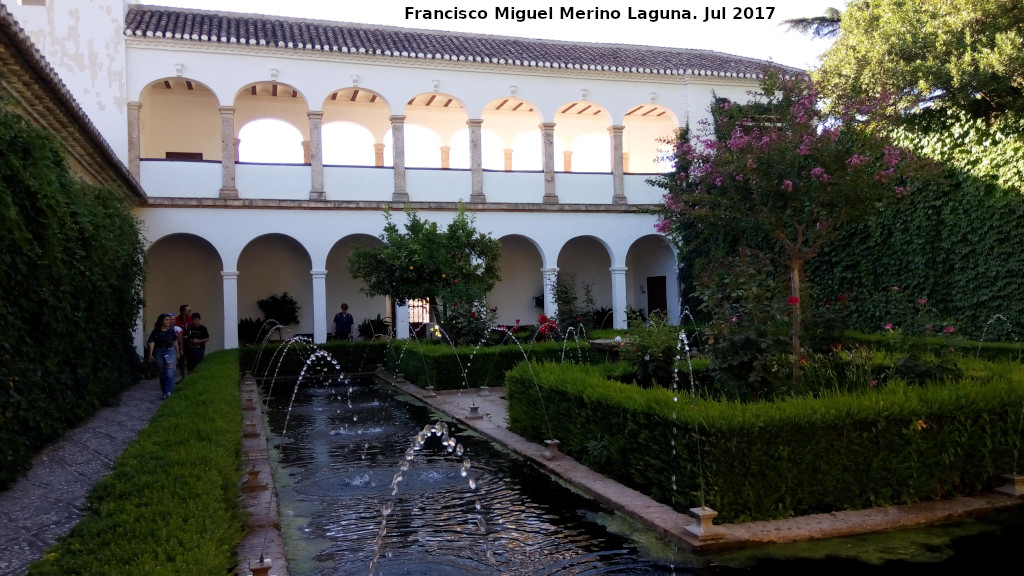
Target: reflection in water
pixel 344 446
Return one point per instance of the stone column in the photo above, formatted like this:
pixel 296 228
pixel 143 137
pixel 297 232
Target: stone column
pixel 476 160
pixel 402 322
pixel 228 154
pixel 378 154
pixel 618 180
pixel 547 130
pixel 316 156
pixel 134 140
pixel 508 159
pixel 550 277
pixel 319 305
pixel 230 287
pixel 398 138
pixel 618 297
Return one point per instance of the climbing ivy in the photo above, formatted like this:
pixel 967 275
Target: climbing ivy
pixel 71 269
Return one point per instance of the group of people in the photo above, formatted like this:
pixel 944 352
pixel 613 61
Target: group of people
pixel 177 341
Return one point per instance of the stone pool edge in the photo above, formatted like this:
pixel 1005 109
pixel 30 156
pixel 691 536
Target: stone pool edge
pixel 487 415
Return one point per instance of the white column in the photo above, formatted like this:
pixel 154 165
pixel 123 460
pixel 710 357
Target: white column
pixel 618 297
pixel 550 277
pixel 230 281
pixel 139 334
pixel 319 305
pixel 401 322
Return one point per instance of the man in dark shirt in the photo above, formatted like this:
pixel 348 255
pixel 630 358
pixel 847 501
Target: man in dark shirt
pixel 343 324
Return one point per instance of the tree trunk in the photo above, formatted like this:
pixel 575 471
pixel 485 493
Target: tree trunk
pixel 795 267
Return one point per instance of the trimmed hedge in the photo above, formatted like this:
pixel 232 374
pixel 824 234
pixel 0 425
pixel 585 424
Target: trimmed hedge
pixel 171 504
pixel 71 269
pixel 423 362
pixel 896 445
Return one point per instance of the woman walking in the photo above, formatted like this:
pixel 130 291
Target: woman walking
pixel 164 351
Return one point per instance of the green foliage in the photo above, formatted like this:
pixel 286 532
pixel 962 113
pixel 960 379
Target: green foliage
pixel 652 348
pixel 874 447
pixel 170 506
pixel 249 330
pixel 963 54
pixel 458 264
pixel 282 309
pixel 287 360
pixel 71 272
pixel 374 327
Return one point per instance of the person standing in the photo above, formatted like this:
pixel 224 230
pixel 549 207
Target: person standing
pixel 180 325
pixel 196 337
pixel 343 322
pixel 164 351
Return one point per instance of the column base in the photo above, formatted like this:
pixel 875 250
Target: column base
pixel 229 192
pixel 619 200
pixel 400 197
pixel 317 195
pixel 478 198
pixel 550 199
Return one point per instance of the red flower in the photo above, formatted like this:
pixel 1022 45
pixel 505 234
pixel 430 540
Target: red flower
pixel 543 319
pixel 842 298
pixel 793 300
pixel 472 314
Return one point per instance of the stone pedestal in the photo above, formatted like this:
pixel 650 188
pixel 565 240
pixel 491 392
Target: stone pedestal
pixel 253 483
pixel 551 452
pixel 260 567
pixel 1014 487
pixel 703 527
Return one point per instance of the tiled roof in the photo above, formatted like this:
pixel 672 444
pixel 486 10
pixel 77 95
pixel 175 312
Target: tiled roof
pixel 390 42
pixel 26 70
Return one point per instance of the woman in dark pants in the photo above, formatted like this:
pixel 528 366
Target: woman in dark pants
pixel 164 351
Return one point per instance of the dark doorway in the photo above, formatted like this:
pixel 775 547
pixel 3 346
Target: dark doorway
pixel 657 296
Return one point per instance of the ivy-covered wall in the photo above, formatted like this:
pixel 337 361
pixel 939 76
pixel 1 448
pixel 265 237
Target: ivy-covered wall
pixel 71 266
pixel 955 240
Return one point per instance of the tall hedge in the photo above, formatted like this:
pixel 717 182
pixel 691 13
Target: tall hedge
pixel 955 239
pixel 71 269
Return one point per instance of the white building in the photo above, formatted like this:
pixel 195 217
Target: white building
pixel 267 148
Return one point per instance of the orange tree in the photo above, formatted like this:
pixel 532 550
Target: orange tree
pixel 765 186
pixel 451 268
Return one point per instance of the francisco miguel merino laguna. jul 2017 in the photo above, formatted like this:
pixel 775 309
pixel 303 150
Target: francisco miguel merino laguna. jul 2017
pixel 573 13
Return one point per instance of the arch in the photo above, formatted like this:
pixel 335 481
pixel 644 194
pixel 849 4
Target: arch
pixel 585 123
pixel 652 280
pixel 273 101
pixel 341 287
pixel 515 121
pixel 588 259
pixel 646 139
pixel 347 143
pixel 492 150
pixel 270 141
pixel 179 120
pixel 185 269
pixel 272 264
pixel 442 115
pixel 521 280
pixel 360 106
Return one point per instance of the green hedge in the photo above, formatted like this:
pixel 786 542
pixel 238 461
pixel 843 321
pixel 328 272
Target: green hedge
pixel 425 363
pixel 171 504
pixel 774 460
pixel 71 269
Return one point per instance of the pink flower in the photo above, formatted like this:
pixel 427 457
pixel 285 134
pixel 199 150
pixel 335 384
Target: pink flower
pixel 922 300
pixel 947 330
pixel 663 226
pixel 820 175
pixel 888 326
pixel 793 300
pixel 787 185
pixel 857 160
pixel 895 288
pixel 873 383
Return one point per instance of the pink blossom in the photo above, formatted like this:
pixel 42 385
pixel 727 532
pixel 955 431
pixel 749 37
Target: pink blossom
pixel 663 226
pixel 901 191
pixel 888 326
pixel 739 177
pixel 947 330
pixel 857 160
pixel 922 300
pixel 819 174
pixel 787 185
pixel 895 288
pixel 803 150
pixel 891 156
pixel 873 383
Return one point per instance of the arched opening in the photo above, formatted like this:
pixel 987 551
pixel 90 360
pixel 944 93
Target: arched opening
pixel 185 269
pixel 270 141
pixel 347 144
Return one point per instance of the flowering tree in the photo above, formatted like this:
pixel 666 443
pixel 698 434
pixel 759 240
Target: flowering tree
pixel 776 179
